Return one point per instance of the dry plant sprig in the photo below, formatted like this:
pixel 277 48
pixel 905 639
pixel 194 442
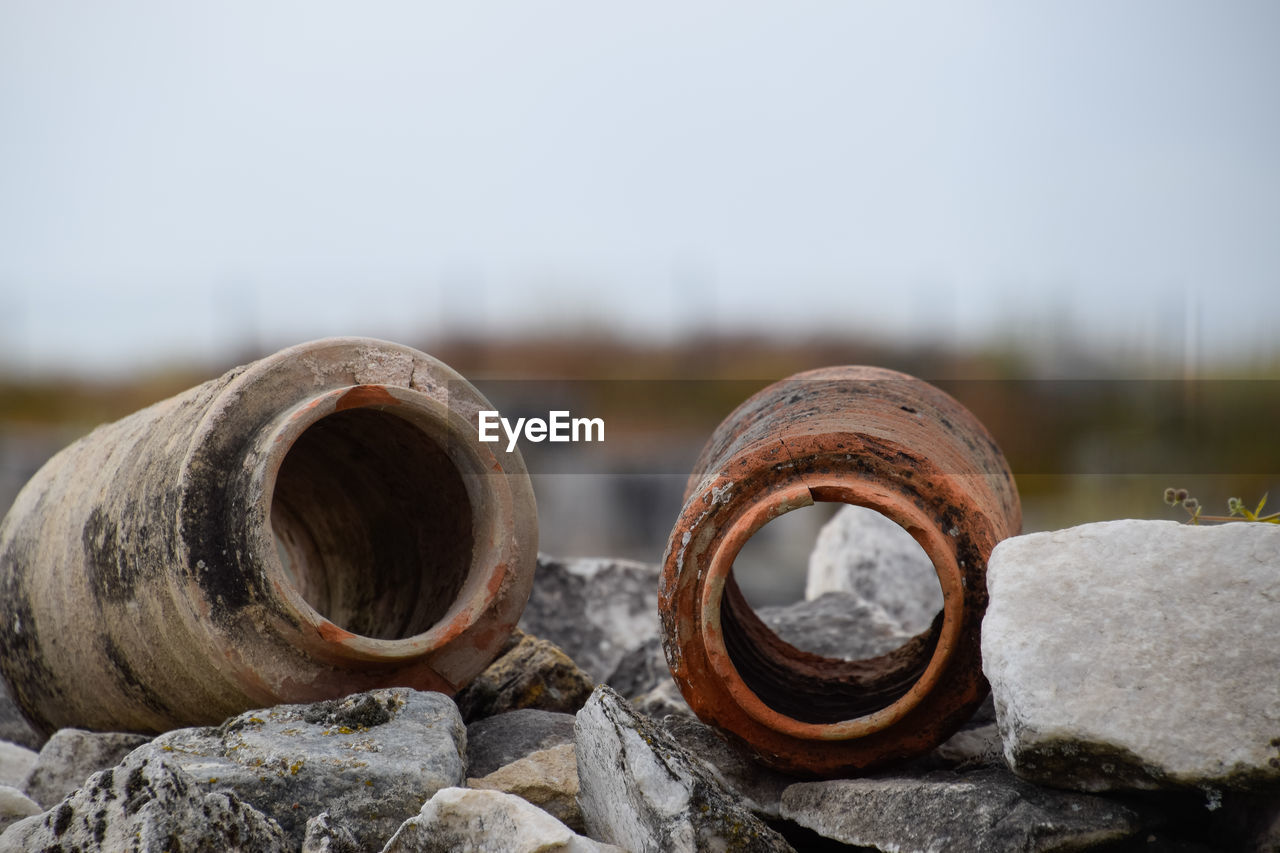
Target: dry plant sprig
pixel 1236 510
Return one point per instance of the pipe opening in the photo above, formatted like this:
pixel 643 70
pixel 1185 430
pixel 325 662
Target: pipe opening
pixel 372 523
pixel 818 681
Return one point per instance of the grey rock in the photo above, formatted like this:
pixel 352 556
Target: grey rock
pixel 1266 836
pixel 501 739
pixel 665 700
pixel 548 779
pixel 533 673
pixel 1137 654
pixel 640 790
pixel 15 763
pixel 731 764
pixel 595 610
pixel 323 835
pixel 147 804
pixel 985 714
pixel 975 746
pixel 489 821
pixel 836 625
pixel 15 805
pixel 860 551
pixel 1246 820
pixel 988 810
pixel 14 727
pixel 971 749
pixel 643 678
pixel 640 670
pixel 70 757
pixel 370 759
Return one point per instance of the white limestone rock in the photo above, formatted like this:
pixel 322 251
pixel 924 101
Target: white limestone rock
pixel 862 552
pixel 639 789
pixel 731 764
pixel 70 757
pixel 1137 654
pixel 489 822
pixel 15 763
pixel 15 805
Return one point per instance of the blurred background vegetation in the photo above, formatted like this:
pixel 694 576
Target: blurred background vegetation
pixel 1083 449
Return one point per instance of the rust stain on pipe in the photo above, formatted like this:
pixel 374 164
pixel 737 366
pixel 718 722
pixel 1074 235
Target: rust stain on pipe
pixel 857 435
pixel 319 522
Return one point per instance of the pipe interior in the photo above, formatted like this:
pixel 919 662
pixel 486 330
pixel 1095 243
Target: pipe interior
pixel 809 687
pixel 372 523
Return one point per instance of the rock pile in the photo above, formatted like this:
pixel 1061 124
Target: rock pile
pixel 147 803
pixel 1136 707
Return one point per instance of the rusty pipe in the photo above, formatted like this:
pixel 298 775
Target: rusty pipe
pixel 319 522
pixel 856 435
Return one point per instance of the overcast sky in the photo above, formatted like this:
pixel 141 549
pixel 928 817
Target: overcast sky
pixel 177 179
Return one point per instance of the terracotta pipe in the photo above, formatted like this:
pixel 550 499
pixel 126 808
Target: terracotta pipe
pixel 856 435
pixel 316 523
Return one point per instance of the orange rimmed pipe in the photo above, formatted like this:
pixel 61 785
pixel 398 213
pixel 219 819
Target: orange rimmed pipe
pixel 316 523
pixel 855 435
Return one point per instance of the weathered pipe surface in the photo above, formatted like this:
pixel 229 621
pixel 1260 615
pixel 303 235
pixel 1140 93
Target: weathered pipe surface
pixel 317 523
pixel 857 435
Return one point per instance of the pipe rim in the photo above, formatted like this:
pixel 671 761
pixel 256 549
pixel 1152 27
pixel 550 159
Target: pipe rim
pixel 488 491
pixel 791 494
